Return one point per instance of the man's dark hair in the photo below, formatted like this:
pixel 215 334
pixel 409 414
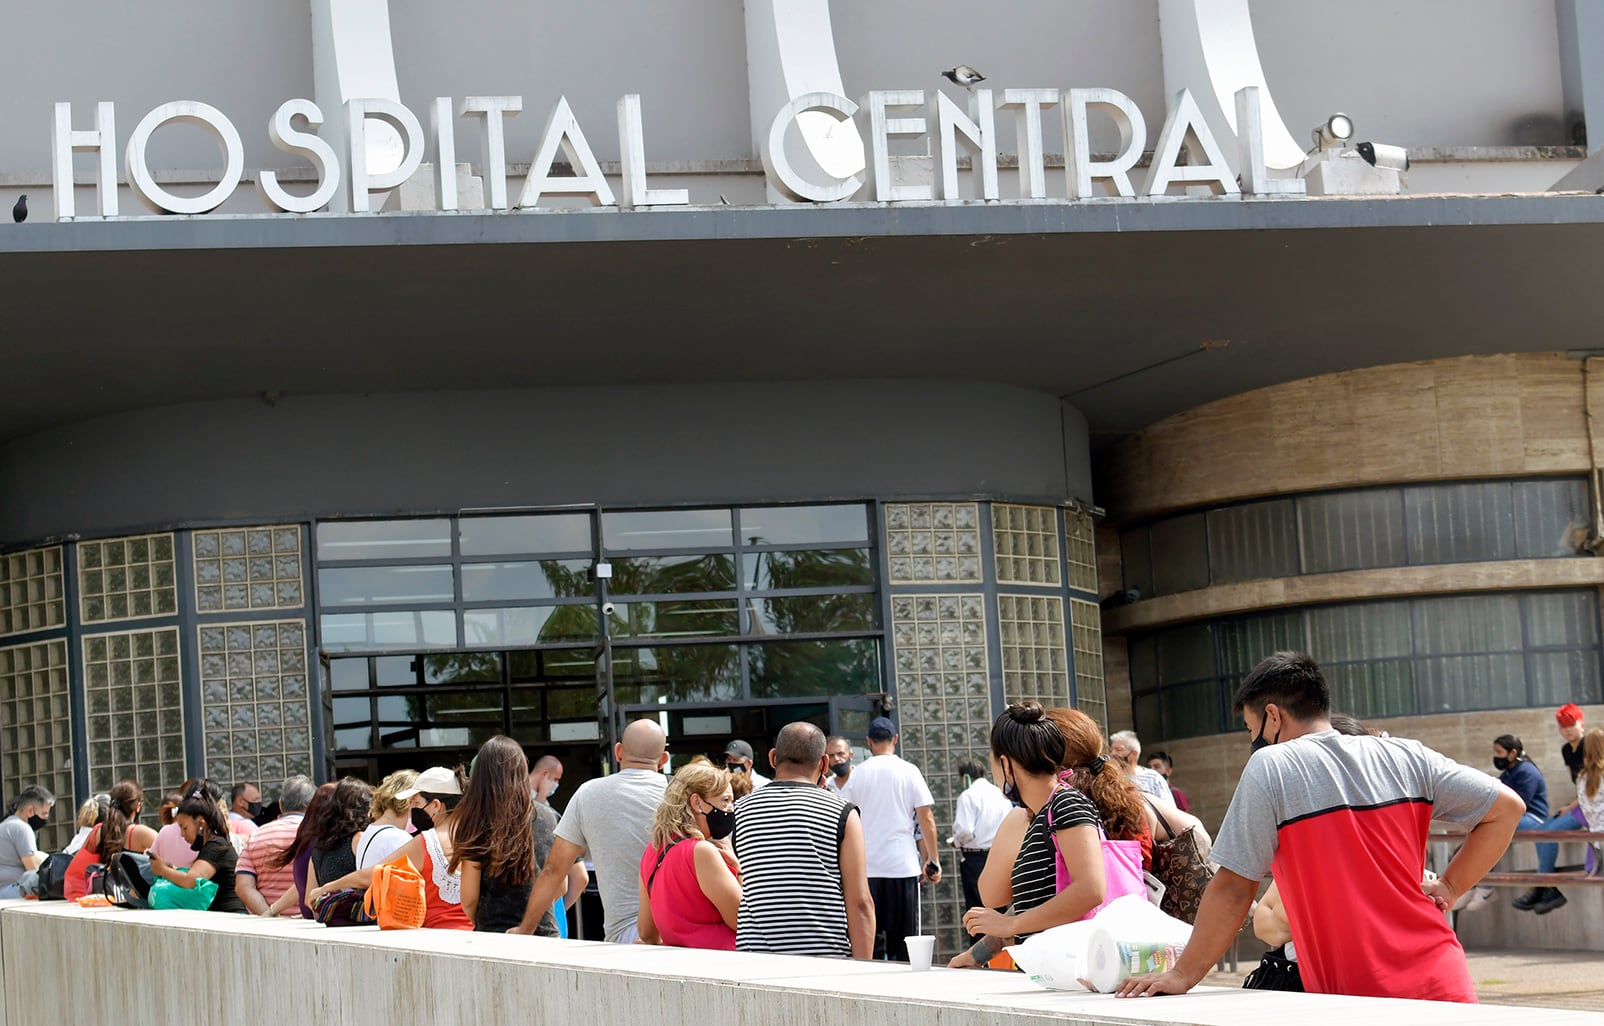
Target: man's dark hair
pixel 1291 680
pixel 238 792
pixel 800 743
pixel 37 794
pixel 972 769
pixel 1163 757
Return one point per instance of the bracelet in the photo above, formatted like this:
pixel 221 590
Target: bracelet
pixel 982 952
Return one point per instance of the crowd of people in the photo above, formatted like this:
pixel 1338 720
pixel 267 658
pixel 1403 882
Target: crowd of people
pixel 824 855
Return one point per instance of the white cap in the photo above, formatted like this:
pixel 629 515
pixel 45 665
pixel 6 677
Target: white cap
pixel 435 780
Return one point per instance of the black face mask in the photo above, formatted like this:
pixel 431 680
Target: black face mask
pixel 253 809
pixel 841 769
pixel 1260 742
pixel 1500 763
pixel 421 820
pixel 37 823
pixel 720 824
pixel 200 840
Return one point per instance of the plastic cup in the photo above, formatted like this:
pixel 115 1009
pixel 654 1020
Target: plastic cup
pixel 920 950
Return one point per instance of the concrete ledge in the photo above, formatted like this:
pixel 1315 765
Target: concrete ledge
pixel 191 967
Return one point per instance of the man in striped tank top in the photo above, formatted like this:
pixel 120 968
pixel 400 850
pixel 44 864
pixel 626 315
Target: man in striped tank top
pixel 804 881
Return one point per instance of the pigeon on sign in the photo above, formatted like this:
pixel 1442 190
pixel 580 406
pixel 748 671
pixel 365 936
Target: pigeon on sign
pixel 19 213
pixel 963 75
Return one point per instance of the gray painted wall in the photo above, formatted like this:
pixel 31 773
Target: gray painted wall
pixel 1426 73
pixel 444 451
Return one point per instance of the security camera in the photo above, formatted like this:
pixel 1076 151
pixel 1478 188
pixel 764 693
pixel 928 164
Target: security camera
pixel 1382 155
pixel 1334 131
pixel 607 608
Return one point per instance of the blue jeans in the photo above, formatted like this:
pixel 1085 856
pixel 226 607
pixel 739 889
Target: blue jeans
pixel 1548 851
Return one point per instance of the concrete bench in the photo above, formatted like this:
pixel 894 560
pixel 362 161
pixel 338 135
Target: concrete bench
pixel 108 967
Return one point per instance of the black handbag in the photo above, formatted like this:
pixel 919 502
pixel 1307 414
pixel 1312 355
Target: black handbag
pixel 53 876
pixel 1275 972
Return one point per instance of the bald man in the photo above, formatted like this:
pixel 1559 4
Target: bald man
pixel 544 776
pixel 611 819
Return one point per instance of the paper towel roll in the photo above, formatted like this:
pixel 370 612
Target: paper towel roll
pixel 1110 960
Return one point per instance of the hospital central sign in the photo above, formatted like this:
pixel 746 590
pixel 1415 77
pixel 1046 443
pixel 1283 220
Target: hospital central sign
pixel 385 145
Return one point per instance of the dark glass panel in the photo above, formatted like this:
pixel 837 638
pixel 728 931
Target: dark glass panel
pixel 804 525
pixel 805 668
pixel 673 575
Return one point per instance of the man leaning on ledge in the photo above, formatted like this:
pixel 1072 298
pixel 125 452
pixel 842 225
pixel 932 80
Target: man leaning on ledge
pixel 1343 822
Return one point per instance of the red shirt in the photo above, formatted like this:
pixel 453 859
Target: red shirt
pixel 684 915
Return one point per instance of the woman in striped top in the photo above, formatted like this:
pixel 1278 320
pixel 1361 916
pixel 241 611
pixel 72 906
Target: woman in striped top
pixel 1030 748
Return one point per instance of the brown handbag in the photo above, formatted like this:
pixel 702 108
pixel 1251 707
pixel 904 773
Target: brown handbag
pixel 1183 868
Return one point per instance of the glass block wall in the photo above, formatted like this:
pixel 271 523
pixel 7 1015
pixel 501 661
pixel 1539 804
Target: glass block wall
pixel 32 597
pixel 135 716
pixel 36 731
pixel 977 603
pixel 126 579
pixel 255 687
pixel 255 693
pixel 251 568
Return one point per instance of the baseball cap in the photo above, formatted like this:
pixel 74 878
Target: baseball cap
pixel 434 780
pixel 739 749
pixel 1569 714
pixel 882 729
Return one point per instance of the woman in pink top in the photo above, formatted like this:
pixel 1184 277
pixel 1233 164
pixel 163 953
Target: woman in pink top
pixel 170 845
pixel 690 888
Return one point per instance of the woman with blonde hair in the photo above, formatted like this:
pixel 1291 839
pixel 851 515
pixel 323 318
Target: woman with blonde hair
pixel 690 889
pixel 387 832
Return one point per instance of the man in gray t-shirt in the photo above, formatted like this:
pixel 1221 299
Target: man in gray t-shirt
pixel 19 842
pixel 611 819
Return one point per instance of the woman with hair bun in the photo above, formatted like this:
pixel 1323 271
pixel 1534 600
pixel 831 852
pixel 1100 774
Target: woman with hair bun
pixel 1030 750
pixel 117 833
pixel 200 820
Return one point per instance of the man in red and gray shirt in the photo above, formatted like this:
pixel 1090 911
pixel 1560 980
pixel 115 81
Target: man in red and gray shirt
pixel 1343 821
pixel 259 887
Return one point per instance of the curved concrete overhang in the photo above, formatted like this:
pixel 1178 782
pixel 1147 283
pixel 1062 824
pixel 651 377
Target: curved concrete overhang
pixel 1131 310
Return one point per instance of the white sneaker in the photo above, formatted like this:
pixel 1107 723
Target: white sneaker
pixel 1474 899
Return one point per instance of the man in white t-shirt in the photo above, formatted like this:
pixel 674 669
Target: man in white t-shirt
pixel 891 795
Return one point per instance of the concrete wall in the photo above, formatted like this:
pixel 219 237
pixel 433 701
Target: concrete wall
pixel 443 451
pixel 194 967
pixel 1444 72
pixel 1511 415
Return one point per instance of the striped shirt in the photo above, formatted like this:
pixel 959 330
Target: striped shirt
pixel 788 840
pixel 1035 875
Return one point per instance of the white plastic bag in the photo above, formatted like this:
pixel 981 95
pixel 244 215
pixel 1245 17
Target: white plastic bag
pixel 1059 957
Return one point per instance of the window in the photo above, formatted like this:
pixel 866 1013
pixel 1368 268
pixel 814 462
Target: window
pixel 707 604
pixel 1381 658
pixel 1417 525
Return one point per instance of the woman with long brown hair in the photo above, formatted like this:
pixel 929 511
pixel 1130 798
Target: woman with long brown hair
pixel 117 833
pixel 493 840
